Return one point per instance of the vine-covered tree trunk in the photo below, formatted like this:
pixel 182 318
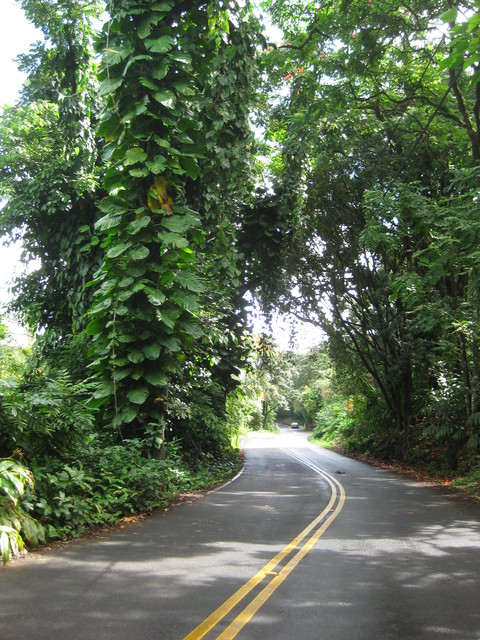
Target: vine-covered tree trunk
pixel 169 76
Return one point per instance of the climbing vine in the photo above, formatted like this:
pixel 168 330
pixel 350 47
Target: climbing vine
pixel 160 132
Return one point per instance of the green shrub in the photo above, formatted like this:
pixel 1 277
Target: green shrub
pixel 332 420
pixel 45 416
pixel 470 482
pixel 109 482
pixel 106 483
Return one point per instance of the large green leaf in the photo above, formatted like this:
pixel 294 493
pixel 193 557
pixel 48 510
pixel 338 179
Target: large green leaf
pixel 114 205
pixel 180 223
pixel 139 253
pixel 169 316
pixel 160 71
pixel 450 15
pixel 136 356
pixel 117 250
pixel 160 45
pixel 132 156
pixel 152 351
pixel 185 300
pixel 190 281
pixel 157 165
pixel 135 59
pixel 181 56
pixel 187 124
pixel 125 338
pixel 95 326
pixel 123 372
pixel 128 413
pixel 155 296
pixel 191 167
pixel 138 395
pixel 101 306
pixel 145 26
pixel 163 7
pixel 108 86
pixel 192 328
pixel 172 343
pixel 173 239
pixel 186 254
pixel 116 55
pixel 166 97
pixel 143 172
pixel 149 84
pixel 135 270
pixel 185 88
pixel 138 224
pixel 103 390
pixel 156 378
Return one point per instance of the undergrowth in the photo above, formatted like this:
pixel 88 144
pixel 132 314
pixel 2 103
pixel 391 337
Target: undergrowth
pixel 434 452
pixel 111 482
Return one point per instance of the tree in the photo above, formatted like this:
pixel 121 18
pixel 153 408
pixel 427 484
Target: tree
pixel 129 171
pixel 49 172
pixel 366 110
pixel 176 90
pixel 125 179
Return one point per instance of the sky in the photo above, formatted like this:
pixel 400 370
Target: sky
pixel 16 36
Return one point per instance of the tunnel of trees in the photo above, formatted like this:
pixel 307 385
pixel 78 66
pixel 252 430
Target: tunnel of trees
pixel 167 162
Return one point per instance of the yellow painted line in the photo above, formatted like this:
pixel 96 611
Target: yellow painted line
pixel 268 570
pixel 251 609
pixel 239 595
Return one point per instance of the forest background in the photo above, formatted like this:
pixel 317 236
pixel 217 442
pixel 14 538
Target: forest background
pixel 165 171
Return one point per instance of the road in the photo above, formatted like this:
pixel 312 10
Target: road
pixel 304 544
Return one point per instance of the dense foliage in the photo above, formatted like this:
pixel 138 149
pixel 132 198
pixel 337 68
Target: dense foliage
pixel 168 75
pixel 373 122
pixel 110 178
pixel 148 210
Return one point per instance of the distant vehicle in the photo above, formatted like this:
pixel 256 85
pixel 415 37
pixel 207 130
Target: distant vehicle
pixel 294 425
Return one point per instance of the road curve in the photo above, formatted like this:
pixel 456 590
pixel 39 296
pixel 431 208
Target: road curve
pixel 304 544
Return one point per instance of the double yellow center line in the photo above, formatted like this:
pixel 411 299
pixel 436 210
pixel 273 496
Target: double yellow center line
pixel 277 569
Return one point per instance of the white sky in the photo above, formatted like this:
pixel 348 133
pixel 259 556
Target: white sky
pixel 16 36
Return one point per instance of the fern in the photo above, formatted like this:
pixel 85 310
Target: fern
pixel 473 443
pixel 15 523
pixel 474 420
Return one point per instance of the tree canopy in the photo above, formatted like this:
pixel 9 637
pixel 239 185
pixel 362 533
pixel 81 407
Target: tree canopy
pixel 372 122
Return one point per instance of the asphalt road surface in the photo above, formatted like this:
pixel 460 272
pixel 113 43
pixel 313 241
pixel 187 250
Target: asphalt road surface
pixel 304 544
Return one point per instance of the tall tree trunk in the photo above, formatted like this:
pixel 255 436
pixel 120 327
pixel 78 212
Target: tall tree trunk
pixel 466 372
